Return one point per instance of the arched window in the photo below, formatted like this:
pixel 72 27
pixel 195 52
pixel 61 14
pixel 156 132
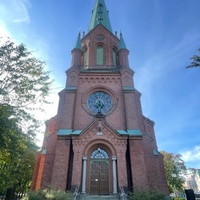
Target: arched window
pixel 99 55
pixel 99 154
pixel 85 57
pixel 114 54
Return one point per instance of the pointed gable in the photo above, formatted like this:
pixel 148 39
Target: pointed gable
pixel 100 129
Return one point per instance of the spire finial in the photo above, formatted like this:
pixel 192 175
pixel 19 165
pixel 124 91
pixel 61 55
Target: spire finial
pixel 100 16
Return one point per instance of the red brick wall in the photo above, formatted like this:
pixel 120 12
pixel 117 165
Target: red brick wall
pixel 61 163
pixel 35 173
pixel 154 163
pixel 49 160
pixel 40 172
pixel 138 166
pixel 100 82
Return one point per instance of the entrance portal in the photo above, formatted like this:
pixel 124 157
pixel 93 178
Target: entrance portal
pixel 99 173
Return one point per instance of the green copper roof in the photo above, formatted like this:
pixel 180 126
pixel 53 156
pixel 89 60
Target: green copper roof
pixel 100 15
pixel 63 132
pixel 131 132
pixel 78 42
pixel 122 44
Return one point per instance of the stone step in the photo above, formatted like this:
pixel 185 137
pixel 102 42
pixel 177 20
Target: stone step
pixel 98 197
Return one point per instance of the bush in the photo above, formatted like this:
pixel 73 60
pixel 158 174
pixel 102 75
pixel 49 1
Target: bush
pixel 178 198
pixel 38 195
pixel 48 194
pixel 147 195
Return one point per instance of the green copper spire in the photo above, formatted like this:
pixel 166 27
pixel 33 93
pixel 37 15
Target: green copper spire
pixel 78 42
pixel 122 44
pixel 100 16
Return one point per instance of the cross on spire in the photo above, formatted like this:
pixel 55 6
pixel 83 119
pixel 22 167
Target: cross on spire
pixel 100 12
pixel 100 6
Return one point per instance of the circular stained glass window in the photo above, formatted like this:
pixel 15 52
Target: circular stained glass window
pixel 99 102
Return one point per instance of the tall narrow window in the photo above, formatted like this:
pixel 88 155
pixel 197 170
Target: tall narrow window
pixel 85 57
pixel 114 53
pixel 99 55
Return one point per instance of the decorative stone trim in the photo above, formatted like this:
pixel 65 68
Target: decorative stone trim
pixel 99 80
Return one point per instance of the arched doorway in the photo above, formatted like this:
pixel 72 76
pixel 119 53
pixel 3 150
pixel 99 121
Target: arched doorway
pixel 99 172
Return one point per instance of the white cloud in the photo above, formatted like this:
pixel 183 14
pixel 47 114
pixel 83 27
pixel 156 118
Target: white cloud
pixel 21 9
pixel 192 155
pixel 15 11
pixel 12 14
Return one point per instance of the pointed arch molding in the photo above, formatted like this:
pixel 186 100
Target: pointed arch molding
pixel 102 143
pixel 110 92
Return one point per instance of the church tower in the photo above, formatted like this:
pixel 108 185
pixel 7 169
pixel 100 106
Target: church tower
pixel 99 139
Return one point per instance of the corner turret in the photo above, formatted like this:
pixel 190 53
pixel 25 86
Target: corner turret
pixel 78 42
pixel 123 53
pixel 77 52
pixel 122 44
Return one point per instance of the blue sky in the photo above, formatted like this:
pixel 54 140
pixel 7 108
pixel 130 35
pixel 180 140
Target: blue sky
pixel 161 35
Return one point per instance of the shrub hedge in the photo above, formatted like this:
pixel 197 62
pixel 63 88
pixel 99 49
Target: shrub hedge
pixel 48 194
pixel 147 195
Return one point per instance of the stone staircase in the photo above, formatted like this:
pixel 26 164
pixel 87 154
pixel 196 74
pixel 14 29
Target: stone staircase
pixel 98 197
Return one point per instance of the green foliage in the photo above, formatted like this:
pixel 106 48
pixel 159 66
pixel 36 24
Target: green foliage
pixel 174 167
pixel 178 198
pixel 17 153
pixel 147 195
pixel 48 195
pixel 22 75
pixel 195 61
pixel 23 84
pixel 38 195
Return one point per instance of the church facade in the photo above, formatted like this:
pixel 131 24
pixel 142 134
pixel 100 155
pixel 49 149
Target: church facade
pixel 99 139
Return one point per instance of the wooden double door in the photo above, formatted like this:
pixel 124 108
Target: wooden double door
pixel 99 177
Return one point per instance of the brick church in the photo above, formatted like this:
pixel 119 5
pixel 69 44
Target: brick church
pixel 99 139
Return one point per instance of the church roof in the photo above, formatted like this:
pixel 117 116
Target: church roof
pixel 100 15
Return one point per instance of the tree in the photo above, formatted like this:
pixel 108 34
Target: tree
pixel 17 154
pixel 24 87
pixel 174 167
pixel 195 61
pixel 24 84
